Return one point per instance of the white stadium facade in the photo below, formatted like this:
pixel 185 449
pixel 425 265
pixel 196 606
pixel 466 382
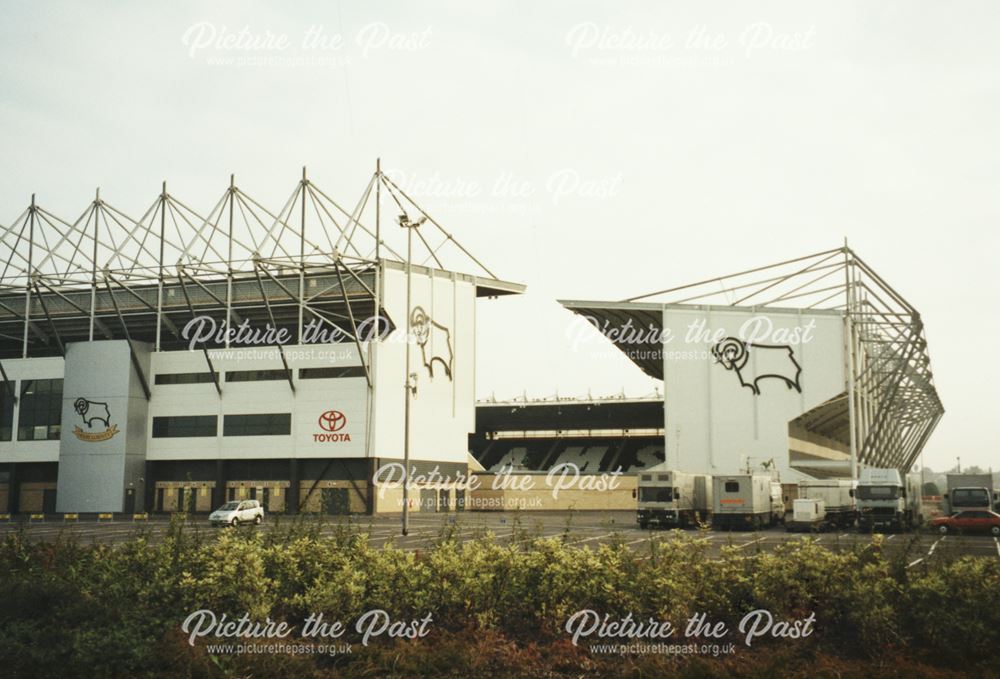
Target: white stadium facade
pixel 178 359
pixel 812 368
pixel 123 391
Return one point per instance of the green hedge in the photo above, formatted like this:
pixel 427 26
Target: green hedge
pixel 96 610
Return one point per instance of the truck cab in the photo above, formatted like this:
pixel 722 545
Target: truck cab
pixel 884 502
pixel 972 492
pixel 961 499
pixel 672 499
pixel 656 503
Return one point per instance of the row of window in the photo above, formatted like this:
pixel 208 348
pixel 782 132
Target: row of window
pixel 40 414
pixel 262 375
pixel 40 411
pixel 258 424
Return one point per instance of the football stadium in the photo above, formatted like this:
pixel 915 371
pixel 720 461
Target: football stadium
pixel 807 369
pixel 176 360
pixel 812 367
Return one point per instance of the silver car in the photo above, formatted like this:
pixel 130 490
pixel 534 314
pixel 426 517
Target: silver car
pixel 236 512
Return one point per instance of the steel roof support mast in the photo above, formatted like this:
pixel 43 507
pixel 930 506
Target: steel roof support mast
pixel 850 360
pixel 27 284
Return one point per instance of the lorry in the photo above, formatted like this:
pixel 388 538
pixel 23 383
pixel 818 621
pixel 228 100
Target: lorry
pixel 969 492
pixel 746 500
pixel 672 498
pixel 887 500
pixel 838 499
pixel 808 515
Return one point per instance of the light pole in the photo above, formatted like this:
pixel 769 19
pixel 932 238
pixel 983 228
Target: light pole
pixel 410 385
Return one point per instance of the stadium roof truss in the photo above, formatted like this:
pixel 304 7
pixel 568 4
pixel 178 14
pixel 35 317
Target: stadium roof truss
pixel 892 405
pixel 107 274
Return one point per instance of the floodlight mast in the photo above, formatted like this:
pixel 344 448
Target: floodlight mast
pixel 405 223
pixel 410 384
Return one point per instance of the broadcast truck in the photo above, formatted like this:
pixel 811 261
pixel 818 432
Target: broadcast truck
pixel 887 500
pixel 970 492
pixel 746 500
pixel 838 499
pixel 672 498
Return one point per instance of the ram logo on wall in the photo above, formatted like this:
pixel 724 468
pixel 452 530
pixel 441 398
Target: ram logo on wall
pixel 770 362
pixel 432 337
pixel 95 414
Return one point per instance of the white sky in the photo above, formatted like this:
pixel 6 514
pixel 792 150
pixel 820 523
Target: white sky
pixel 807 123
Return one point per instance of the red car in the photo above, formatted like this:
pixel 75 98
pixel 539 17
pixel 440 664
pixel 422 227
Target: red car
pixel 969 521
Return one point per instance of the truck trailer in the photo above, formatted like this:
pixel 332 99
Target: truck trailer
pixel 887 500
pixel 746 500
pixel 670 498
pixel 838 499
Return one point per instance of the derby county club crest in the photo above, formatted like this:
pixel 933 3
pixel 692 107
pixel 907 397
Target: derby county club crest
pixel 426 330
pixel 771 362
pixel 94 415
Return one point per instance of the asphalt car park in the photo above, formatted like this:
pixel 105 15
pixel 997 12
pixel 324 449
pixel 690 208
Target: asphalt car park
pixel 580 529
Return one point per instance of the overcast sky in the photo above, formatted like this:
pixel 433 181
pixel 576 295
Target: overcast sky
pixel 588 150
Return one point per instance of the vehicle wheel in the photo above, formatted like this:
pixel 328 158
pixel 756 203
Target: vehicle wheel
pixel 257 520
pixel 644 525
pixel 943 530
pixel 235 522
pixel 995 531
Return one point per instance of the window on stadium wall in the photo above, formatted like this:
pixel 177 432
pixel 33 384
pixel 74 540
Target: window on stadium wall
pixel 6 415
pixel 181 426
pixel 331 373
pixel 255 375
pixel 40 410
pixel 258 424
pixel 185 378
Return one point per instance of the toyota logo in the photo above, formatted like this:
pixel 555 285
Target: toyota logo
pixel 332 420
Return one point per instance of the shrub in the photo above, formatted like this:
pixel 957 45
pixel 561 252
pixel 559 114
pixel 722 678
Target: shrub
pixel 113 611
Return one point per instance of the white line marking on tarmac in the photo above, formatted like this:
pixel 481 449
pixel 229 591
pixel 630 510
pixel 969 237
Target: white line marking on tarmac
pixel 399 536
pixel 595 537
pixel 930 553
pixel 997 541
pixel 643 539
pixel 752 542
